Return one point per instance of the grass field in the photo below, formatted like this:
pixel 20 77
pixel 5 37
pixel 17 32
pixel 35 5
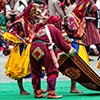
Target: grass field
pixel 10 91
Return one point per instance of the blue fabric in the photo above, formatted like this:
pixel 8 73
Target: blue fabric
pixel 22 47
pixel 43 74
pixel 75 46
pixel 29 76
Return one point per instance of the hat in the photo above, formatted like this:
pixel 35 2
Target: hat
pixel 81 7
pixel 55 20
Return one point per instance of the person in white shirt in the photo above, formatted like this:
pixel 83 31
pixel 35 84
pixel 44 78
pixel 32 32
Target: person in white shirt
pixel 18 8
pixel 54 8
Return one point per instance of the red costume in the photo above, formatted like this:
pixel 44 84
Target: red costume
pixel 40 56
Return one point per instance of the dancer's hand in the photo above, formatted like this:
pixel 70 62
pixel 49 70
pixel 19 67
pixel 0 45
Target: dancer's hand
pixel 71 52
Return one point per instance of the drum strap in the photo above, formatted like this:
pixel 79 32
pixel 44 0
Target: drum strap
pixel 51 47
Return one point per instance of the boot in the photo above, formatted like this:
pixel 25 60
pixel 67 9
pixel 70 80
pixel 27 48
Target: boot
pixel 38 94
pixel 37 88
pixel 51 88
pixel 52 95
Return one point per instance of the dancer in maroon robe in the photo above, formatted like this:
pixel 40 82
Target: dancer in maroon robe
pixel 40 56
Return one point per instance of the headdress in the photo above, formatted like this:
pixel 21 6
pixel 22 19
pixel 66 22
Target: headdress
pixel 25 14
pixel 81 8
pixel 55 20
pixel 28 14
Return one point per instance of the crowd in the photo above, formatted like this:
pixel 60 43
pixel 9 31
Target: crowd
pixel 35 32
pixel 10 9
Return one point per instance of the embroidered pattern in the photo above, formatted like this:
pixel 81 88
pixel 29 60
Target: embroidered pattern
pixel 38 53
pixel 41 33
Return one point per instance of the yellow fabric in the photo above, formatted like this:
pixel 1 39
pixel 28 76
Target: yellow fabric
pixel 98 66
pixel 83 54
pixel 18 66
pixel 11 37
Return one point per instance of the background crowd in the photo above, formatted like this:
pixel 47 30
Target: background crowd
pixel 10 9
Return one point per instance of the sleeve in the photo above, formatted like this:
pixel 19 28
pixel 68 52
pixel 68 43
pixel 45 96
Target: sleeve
pixel 21 8
pixel 57 38
pixel 8 9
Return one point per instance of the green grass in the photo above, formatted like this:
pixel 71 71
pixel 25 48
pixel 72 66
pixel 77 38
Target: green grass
pixel 10 91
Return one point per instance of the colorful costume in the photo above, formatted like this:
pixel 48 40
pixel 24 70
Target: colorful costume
pixel 20 67
pixel 92 33
pixel 21 34
pixel 40 56
pixel 74 25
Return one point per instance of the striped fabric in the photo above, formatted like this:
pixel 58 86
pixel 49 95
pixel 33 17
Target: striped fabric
pixel 81 7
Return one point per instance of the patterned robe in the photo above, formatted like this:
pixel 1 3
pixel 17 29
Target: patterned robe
pixel 39 50
pixel 92 33
pixel 40 56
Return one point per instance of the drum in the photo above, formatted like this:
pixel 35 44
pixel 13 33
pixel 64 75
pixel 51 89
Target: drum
pixel 76 69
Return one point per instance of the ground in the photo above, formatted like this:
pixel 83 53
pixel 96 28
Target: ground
pixel 9 89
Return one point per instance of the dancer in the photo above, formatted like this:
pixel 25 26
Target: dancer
pixel 19 35
pixel 40 55
pixel 75 31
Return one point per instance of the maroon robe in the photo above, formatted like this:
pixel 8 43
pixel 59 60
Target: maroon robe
pixel 92 33
pixel 40 56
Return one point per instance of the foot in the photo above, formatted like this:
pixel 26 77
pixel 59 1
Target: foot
pixel 76 91
pixel 24 93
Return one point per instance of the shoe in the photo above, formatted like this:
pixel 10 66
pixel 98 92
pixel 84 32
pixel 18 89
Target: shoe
pixel 52 95
pixel 38 94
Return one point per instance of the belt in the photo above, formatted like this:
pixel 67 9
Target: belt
pixel 41 41
pixel 92 18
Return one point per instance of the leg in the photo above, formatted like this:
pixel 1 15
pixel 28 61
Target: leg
pixel 20 85
pixel 73 88
pixel 36 68
pixel 36 83
pixel 51 83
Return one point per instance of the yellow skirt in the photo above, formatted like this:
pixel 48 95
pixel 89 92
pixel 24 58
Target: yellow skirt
pixel 18 66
